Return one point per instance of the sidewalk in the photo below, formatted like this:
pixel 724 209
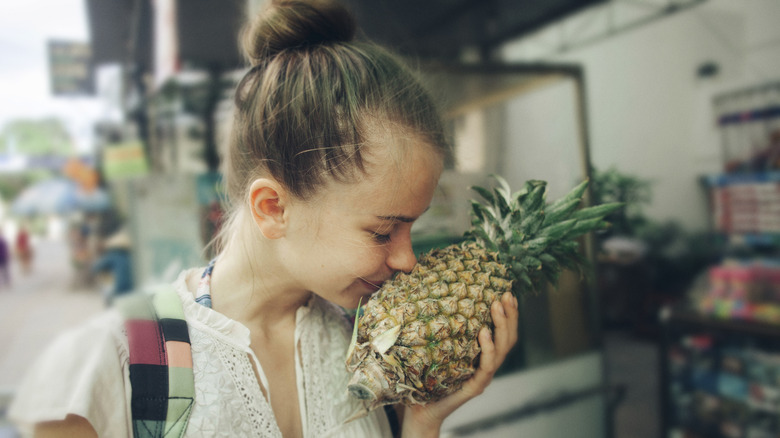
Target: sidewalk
pixel 34 310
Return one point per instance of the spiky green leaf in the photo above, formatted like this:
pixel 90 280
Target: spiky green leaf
pixel 503 245
pixel 481 236
pixel 501 204
pixel 519 195
pixel 598 211
pixel 516 250
pixel 516 218
pixel 477 212
pixel 567 247
pixel 586 226
pixel 531 262
pixel 550 262
pixel 503 187
pixel 485 215
pixel 559 230
pixel 537 244
pixel 562 211
pixel 524 280
pixel 535 200
pixel 575 193
pixel 532 223
pixel 485 193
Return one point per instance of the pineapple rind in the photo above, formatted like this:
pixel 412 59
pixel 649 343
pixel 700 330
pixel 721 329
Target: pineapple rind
pixel 441 306
pixel 517 243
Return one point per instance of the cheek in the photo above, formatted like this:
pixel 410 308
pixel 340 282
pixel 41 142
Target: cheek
pixel 347 258
pixel 366 259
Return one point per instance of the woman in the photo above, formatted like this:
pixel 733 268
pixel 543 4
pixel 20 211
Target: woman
pixel 335 151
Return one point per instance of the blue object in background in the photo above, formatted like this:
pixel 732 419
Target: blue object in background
pixel 118 262
pixel 58 196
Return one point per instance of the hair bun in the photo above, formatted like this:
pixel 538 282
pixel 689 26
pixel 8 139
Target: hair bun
pixel 289 24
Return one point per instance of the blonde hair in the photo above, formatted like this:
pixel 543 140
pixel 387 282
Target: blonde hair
pixel 305 108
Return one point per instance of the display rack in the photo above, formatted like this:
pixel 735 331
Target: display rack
pixel 720 350
pixel 746 204
pixel 749 123
pixel 719 378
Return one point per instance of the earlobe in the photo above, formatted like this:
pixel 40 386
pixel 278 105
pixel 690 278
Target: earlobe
pixel 267 202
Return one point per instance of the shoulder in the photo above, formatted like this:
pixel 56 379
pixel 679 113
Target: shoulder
pixel 103 333
pixel 82 372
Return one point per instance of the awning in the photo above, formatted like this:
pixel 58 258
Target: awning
pixel 120 31
pixel 206 31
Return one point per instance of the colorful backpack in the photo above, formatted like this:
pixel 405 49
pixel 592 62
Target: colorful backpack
pixel 161 379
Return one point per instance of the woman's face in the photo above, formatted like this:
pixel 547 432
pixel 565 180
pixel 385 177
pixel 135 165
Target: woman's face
pixel 351 237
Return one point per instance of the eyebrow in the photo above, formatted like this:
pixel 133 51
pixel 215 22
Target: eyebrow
pixel 400 218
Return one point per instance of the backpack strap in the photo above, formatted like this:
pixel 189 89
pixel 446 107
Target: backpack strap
pixel 161 379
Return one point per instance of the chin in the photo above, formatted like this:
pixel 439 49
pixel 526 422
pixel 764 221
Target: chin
pixel 352 304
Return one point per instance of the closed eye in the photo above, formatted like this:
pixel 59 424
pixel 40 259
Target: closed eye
pixel 380 238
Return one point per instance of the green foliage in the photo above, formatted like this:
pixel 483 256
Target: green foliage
pixel 634 192
pixel 674 255
pixel 12 184
pixel 36 138
pixel 534 239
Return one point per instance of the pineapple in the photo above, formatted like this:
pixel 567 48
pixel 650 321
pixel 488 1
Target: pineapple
pixel 416 340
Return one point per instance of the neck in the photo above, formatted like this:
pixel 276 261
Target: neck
pixel 250 286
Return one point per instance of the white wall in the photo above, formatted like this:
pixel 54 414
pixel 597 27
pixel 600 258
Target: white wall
pixel 649 114
pixel 583 418
pixel 542 140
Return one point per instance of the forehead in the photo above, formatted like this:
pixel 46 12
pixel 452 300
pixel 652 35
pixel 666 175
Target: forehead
pixel 401 159
pixel 400 176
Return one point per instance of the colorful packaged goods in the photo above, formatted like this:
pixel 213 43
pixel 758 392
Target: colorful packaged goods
pixel 744 291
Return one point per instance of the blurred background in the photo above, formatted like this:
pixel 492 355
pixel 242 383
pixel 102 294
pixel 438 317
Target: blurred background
pixel 113 115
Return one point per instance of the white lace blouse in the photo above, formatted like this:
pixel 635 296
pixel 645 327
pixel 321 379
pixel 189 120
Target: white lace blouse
pixel 85 372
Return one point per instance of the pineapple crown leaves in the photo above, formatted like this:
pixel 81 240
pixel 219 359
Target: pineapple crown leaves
pixel 533 238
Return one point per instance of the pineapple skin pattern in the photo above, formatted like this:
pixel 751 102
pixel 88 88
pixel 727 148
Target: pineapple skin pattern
pixel 417 339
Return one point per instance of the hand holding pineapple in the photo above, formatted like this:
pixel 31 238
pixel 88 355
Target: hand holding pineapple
pixel 417 341
pixel 495 348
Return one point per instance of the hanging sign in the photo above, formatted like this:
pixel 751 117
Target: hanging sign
pixel 70 69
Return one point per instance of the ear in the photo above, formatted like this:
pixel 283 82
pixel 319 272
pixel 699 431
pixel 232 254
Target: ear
pixel 267 200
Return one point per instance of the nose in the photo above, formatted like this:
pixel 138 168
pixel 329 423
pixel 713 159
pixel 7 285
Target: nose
pixel 401 256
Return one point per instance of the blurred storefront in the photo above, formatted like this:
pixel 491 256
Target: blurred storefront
pixel 178 61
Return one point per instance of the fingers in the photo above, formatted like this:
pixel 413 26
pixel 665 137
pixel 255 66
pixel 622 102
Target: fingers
pixel 487 359
pixel 509 301
pixel 488 365
pixel 494 349
pixel 475 385
pixel 505 318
